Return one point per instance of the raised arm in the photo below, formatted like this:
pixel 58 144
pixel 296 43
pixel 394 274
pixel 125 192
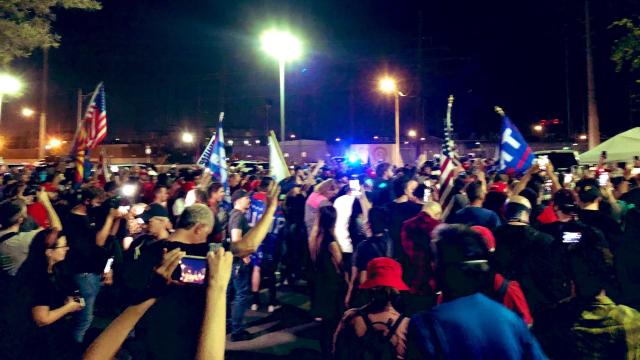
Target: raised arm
pixel 212 337
pixel 43 198
pixel 108 343
pixel 103 234
pixel 251 240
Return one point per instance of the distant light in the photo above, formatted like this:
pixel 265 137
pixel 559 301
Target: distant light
pixel 147 150
pixel 293 136
pixel 338 139
pixel 187 137
pixel 583 137
pixel 117 139
pixel 47 147
pixel 257 141
pixel 477 142
pixel 353 158
pixel 249 156
pixel 406 142
pixel 575 144
pixel 565 148
pixel 114 168
pixel 412 133
pixel 286 154
pixel 27 112
pixel 281 45
pixel 423 139
pixel 388 85
pixel 54 143
pixel 246 142
pixel 537 128
pixel 375 137
pixel 230 142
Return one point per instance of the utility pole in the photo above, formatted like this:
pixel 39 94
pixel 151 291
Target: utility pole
pixel 570 131
pixel 42 128
pixel 594 120
pixel 79 108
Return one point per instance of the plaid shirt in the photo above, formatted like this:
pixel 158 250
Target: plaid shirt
pixel 606 330
pixel 415 237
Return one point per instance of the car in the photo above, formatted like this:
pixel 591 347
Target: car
pixel 562 160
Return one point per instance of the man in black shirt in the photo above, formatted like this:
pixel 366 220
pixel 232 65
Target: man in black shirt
pixel 241 272
pixel 179 309
pixel 590 196
pixel 527 255
pixel 87 256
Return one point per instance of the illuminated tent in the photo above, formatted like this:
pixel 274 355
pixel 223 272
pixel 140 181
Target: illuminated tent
pixel 622 147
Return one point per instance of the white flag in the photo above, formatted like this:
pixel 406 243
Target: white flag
pixel 277 166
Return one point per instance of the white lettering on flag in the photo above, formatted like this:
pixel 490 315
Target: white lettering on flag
pixel 506 138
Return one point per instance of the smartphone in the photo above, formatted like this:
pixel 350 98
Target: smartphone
pixel 213 247
pixel 603 179
pixel 354 186
pixel 568 178
pixel 77 298
pixel 193 270
pixel 569 237
pixel 427 195
pixel 124 209
pixel 107 267
pixel 543 161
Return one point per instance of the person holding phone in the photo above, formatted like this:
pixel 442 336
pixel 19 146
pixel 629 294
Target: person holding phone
pixel 44 293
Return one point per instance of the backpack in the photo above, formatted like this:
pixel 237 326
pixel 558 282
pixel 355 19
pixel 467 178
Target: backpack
pixel 373 345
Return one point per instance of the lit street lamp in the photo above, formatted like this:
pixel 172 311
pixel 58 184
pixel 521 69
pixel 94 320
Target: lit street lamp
pixel 284 47
pixel 187 137
pixel 9 85
pixel 583 137
pixel 338 139
pixel 388 86
pixel 27 112
pixel 412 133
pixel 293 136
pixel 537 128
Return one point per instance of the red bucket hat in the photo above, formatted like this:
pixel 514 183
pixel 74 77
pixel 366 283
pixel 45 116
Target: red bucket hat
pixel 384 271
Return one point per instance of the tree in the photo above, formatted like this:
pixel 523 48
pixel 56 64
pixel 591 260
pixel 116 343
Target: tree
pixel 25 25
pixel 626 50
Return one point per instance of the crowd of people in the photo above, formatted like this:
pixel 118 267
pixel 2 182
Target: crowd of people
pixel 534 265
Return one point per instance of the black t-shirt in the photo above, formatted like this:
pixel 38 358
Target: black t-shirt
pixel 237 220
pixel 373 247
pixel 531 257
pixel 603 222
pixel 84 255
pixel 171 327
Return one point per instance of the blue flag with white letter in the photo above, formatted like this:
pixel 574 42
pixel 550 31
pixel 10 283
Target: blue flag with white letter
pixel 214 157
pixel 515 154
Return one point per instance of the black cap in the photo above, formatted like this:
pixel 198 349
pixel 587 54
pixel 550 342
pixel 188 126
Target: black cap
pixel 588 190
pixel 240 193
pixel 152 211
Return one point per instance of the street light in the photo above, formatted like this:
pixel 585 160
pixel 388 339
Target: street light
pixel 293 136
pixel 284 47
pixel 583 137
pixel 54 143
pixel 9 85
pixel 187 137
pixel 258 141
pixel 27 112
pixel 338 139
pixel 389 86
pixel 412 133
pixel 230 142
pixel 537 128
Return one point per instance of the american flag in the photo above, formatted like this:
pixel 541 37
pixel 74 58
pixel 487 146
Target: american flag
pixel 96 118
pixel 446 181
pixel 448 165
pixel 91 131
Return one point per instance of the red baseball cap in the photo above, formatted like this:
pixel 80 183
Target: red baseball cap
pixel 498 186
pixel 384 271
pixel 487 235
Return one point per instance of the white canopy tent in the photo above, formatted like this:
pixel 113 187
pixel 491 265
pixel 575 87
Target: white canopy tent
pixel 622 147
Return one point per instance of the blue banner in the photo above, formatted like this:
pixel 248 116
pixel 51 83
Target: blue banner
pixel 515 154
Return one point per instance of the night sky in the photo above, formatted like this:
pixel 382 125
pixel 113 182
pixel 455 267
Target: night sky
pixel 171 64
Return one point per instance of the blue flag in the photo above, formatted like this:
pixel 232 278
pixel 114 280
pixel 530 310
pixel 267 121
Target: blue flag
pixel 515 154
pixel 214 157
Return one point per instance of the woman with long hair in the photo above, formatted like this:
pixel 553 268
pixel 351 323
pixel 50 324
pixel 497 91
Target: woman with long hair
pixel 329 286
pixel 43 302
